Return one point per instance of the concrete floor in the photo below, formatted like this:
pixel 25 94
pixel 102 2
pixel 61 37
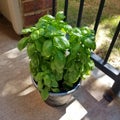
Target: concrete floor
pixel 19 100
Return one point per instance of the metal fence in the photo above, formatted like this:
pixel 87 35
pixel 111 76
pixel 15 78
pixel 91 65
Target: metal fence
pixel 100 63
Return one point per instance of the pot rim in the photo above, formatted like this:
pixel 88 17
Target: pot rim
pixel 60 93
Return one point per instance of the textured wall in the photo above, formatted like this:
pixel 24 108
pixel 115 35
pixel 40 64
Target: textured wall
pixel 34 9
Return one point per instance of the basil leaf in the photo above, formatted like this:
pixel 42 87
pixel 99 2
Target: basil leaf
pixel 60 15
pixel 47 80
pixel 61 42
pixel 38 45
pixel 48 17
pixel 89 43
pixel 35 61
pixel 31 49
pixel 35 35
pixel 40 85
pixel 39 76
pixel 56 90
pixel 44 93
pixel 47 48
pixel 54 83
pixel 59 60
pixel 23 43
pixel 28 30
pixel 33 70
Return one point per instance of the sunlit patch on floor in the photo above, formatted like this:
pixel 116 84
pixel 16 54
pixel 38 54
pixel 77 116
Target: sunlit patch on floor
pixel 27 91
pixel 15 86
pixel 75 111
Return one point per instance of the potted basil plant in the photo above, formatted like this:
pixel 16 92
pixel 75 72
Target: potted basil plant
pixel 59 55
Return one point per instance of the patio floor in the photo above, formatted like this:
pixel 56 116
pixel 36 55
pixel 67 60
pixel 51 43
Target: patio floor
pixel 19 100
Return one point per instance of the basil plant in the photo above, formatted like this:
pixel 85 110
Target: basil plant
pixel 59 53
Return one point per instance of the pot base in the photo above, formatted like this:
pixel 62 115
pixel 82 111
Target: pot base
pixel 57 101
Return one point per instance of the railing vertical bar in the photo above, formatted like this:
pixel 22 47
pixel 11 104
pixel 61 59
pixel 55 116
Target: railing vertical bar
pixel 80 13
pixel 53 7
pixel 112 43
pixel 116 86
pixel 101 6
pixel 114 91
pixel 65 9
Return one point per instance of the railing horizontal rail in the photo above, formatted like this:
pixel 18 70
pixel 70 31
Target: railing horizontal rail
pixel 106 68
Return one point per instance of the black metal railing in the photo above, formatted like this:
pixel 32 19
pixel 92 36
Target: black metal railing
pixel 99 62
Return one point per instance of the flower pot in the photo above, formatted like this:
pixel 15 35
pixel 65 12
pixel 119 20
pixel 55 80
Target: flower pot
pixel 59 99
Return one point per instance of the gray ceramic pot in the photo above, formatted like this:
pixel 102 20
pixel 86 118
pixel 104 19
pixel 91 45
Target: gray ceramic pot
pixel 59 99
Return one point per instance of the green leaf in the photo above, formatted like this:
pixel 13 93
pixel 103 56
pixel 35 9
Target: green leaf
pixel 33 69
pixel 68 84
pixel 35 61
pixel 35 35
pixel 59 75
pixel 73 52
pixel 41 23
pixel 40 85
pixel 28 30
pixel 67 27
pixel 22 43
pixel 47 80
pixel 73 72
pixel 61 42
pixel 74 77
pixel 56 90
pixel 47 48
pixel 44 67
pixel 31 49
pixel 59 60
pixel 86 30
pixel 50 31
pixel 89 43
pixel 48 17
pixel 52 65
pixel 60 15
pixel 38 45
pixel 44 93
pixel 41 32
pixel 39 76
pixel 54 83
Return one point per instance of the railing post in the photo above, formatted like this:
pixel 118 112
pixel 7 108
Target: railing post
pixel 101 6
pixel 112 43
pixel 114 91
pixel 65 9
pixel 80 13
pixel 53 7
